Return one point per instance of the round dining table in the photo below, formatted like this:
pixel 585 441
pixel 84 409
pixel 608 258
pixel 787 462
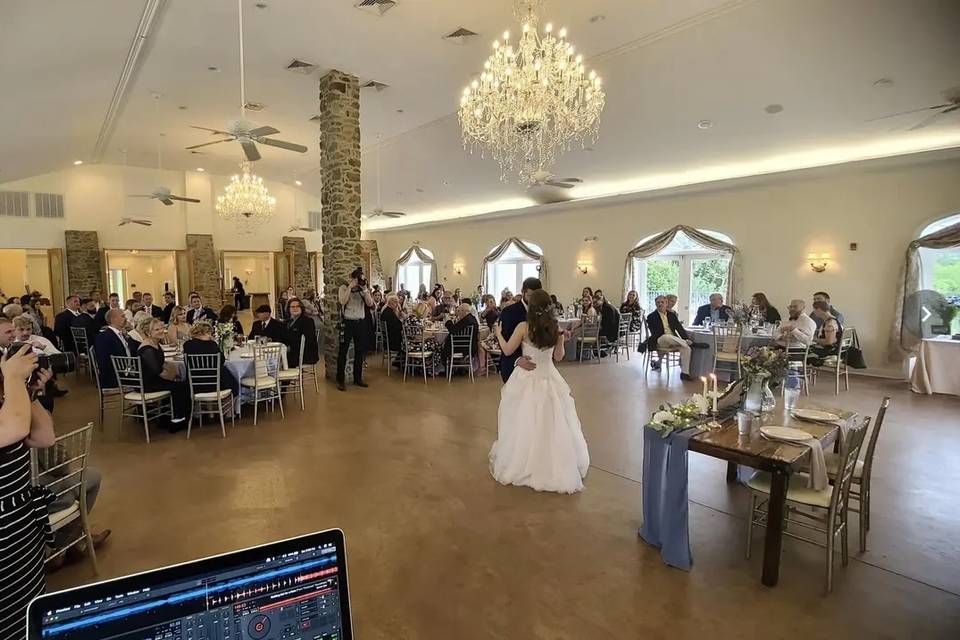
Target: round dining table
pixel 701 360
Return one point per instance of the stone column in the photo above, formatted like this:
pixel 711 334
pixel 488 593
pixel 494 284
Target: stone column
pixel 340 216
pixel 204 270
pixel 302 278
pixel 84 264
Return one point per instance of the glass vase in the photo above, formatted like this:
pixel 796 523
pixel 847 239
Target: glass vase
pixel 759 398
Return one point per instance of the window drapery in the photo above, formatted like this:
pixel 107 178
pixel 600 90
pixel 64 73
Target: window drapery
pixel 657 243
pixel 424 257
pixel 903 342
pixel 524 248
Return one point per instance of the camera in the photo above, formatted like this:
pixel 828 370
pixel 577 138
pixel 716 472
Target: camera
pixel 358 274
pixel 58 363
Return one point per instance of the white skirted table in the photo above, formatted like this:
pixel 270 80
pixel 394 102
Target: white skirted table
pixel 937 369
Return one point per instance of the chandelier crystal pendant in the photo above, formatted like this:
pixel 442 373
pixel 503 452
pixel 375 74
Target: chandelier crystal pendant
pixel 245 201
pixel 532 101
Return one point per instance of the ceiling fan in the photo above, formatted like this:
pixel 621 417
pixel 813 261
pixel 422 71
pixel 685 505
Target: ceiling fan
pixel 161 193
pixel 297 227
pixel 247 133
pixel 126 221
pixel 546 179
pixel 378 210
pixel 952 97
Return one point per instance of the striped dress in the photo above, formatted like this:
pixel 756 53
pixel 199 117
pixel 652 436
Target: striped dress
pixel 24 529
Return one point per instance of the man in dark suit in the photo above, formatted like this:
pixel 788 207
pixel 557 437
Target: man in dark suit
pixel 113 302
pixel 509 319
pixel 464 321
pixel 87 320
pixel 300 326
pixel 64 320
pixel 667 332
pixel 264 325
pixel 112 341
pixel 716 311
pixel 170 301
pixel 199 312
pixel 151 308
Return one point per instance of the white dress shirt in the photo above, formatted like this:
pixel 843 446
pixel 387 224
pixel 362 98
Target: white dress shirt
pixel 797 333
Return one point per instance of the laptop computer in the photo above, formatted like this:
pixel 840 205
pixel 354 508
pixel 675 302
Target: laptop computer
pixel 291 589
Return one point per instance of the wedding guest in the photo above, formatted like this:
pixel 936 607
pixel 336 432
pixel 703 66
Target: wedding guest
pixel 198 311
pixel 178 329
pixel 417 320
pixel 87 320
pixel 431 303
pixel 138 296
pixel 715 310
pixel 463 320
pixel 609 318
pixel 457 296
pixel 506 299
pixel 826 341
pixel 239 293
pixel 446 306
pixel 140 315
pixel 392 316
pixel 202 342
pixel 402 299
pixel 478 294
pixel 113 341
pixel 632 306
pixel 586 307
pixel 799 329
pixel 113 302
pixel 151 308
pixel 300 326
pixel 23 332
pixel 377 301
pixel 141 328
pixel 768 313
pixel 282 300
pixel 130 309
pixel 159 375
pixel 437 293
pixel 61 322
pixel 490 313
pixel 518 298
pixel 557 305
pixel 169 302
pixel 228 315
pixel 587 291
pixel 13 309
pixel 823 296
pixel 422 291
pixel 672 303
pixel 667 332
pixel 267 326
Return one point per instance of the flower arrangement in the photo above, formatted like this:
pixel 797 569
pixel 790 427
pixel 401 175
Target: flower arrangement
pixel 764 363
pixel 224 334
pixel 675 417
pixel 740 313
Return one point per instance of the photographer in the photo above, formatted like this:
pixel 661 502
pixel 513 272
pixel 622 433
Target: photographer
pixel 354 299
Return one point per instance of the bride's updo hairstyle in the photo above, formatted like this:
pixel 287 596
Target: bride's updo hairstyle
pixel 541 325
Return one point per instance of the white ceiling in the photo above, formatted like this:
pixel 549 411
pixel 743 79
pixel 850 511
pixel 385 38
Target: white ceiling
pixel 667 64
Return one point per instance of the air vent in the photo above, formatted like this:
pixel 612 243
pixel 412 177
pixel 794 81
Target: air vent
pixel 254 106
pixel 301 66
pixel 374 84
pixel 314 219
pixel 461 36
pixel 376 7
pixel 48 205
pixel 14 203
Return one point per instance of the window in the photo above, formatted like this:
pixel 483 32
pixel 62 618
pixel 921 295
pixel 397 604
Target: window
pixel 415 272
pixel 511 269
pixel 685 269
pixel 118 283
pixel 940 271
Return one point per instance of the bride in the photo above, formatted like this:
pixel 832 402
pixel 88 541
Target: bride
pixel 539 441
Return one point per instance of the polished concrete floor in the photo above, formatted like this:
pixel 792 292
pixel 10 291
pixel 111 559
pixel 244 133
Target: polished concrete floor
pixel 437 549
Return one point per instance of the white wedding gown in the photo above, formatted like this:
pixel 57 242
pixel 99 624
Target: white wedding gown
pixel 539 440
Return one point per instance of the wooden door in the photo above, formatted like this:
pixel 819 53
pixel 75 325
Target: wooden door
pixel 184 276
pixel 55 265
pixel 283 270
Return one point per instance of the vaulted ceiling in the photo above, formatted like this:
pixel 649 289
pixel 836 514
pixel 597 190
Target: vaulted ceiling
pixel 668 65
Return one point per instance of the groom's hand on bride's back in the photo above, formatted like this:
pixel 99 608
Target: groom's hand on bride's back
pixel 526 363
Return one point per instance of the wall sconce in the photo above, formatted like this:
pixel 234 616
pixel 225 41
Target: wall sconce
pixel 818 262
pixel 583 266
pixel 249 272
pixel 458 268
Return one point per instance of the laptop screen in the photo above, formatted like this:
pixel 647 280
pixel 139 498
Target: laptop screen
pixel 291 589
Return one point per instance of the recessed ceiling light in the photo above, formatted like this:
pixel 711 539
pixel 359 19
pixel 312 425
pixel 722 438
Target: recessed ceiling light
pixel 446 183
pixel 298 183
pixel 705 124
pixel 773 108
pixel 77 162
pixel 597 18
pixel 201 169
pixel 419 190
pixel 213 68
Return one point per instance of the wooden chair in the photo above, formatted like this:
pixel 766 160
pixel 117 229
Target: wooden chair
pixel 461 352
pixel 137 403
pixel 589 338
pixel 264 384
pixel 109 398
pixel 62 469
pixel 80 348
pixel 203 372
pixel 727 345
pixel 291 379
pixel 837 364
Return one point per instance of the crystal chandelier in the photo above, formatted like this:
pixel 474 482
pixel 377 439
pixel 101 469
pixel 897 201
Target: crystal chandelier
pixel 532 101
pixel 245 201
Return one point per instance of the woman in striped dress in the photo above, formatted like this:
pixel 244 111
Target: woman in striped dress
pixel 24 526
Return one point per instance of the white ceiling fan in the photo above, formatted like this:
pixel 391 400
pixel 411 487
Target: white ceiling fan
pixel 543 178
pixel 378 210
pixel 548 189
pixel 140 221
pixel 247 133
pixel 297 227
pixel 952 104
pixel 161 193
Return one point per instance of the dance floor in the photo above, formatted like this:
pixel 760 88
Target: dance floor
pixel 437 549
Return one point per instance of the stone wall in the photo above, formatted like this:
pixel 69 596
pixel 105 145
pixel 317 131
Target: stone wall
pixel 204 270
pixel 302 278
pixel 340 198
pixel 85 270
pixel 376 275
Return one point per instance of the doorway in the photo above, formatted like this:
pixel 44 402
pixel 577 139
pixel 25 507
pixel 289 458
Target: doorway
pixel 27 270
pixel 130 270
pixel 255 270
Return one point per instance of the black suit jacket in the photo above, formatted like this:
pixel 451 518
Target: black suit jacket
pixel 88 323
pixel 167 310
pixel 655 326
pixel 703 312
pixel 306 328
pixel 204 313
pixel 509 319
pixel 100 320
pixel 461 327
pixel 609 322
pixel 275 330
pixel 61 326
pixel 155 311
pixel 106 345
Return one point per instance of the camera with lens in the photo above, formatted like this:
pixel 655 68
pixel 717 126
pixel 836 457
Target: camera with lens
pixel 358 275
pixel 58 363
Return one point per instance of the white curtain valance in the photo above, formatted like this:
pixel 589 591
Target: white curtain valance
pixel 659 242
pixel 524 248
pixel 422 255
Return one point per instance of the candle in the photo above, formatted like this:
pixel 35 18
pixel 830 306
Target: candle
pixel 704 381
pixel 713 377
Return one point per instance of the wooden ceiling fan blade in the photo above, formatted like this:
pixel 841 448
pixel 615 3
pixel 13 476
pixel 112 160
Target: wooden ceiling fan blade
pixel 222 133
pixel 923 123
pixel 281 144
pixel 263 131
pixel 207 144
pixel 250 150
pixel 182 199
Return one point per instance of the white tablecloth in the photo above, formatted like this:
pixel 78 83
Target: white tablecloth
pixel 701 360
pixel 938 367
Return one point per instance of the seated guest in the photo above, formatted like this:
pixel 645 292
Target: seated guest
pixel 716 311
pixel 416 321
pixel 597 292
pixel 130 310
pixel 159 375
pixel 264 325
pixel 463 320
pixel 823 296
pixel 402 300
pixel 14 309
pixel 768 313
pixel 490 313
pixel 299 325
pixel 457 296
pixel 113 341
pixel 228 315
pixel 198 311
pixel 151 308
pixel 23 332
pixel 609 318
pixel 202 342
pixel 421 291
pixel 437 292
pixel 138 296
pixel 586 307
pixel 666 332
pixel 169 302
pixel 74 530
pixel 61 322
pixel 377 301
pixel 506 299
pixel 799 329
pixel 826 341
pixel 392 317
pixel 113 302
pixel 282 304
pixel 632 306
pixel 178 329
pixel 141 327
pixel 446 306
pixel 587 291
pixel 87 320
pixel 672 303
pixel 432 305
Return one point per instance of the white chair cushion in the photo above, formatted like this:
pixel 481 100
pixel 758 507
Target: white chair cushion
pixel 63 517
pixel 419 354
pixel 727 357
pixel 583 339
pixel 833 461
pixel 146 397
pixel 212 395
pixel 797 491
pixel 259 381
pixel 288 374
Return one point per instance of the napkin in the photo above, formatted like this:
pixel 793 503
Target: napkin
pixel 817 480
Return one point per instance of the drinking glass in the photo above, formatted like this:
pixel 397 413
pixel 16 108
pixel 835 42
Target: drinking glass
pixel 744 421
pixel 791 391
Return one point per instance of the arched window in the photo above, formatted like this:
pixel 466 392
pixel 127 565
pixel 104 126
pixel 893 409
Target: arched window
pixel 415 268
pixel 685 268
pixel 509 263
pixel 940 268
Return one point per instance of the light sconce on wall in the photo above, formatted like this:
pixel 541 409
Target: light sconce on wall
pixel 818 262
pixel 249 272
pixel 458 268
pixel 583 266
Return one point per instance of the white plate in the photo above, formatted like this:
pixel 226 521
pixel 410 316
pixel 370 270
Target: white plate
pixel 785 433
pixel 814 414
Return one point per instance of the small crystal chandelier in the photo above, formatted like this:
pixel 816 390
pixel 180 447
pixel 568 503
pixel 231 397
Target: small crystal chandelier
pixel 531 102
pixel 245 201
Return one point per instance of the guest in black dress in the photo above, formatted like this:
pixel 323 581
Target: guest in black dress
pixel 300 326
pixel 464 321
pixel 158 377
pixel 392 318
pixel 229 315
pixel 490 313
pixel 201 342
pixel 239 294
pixel 768 312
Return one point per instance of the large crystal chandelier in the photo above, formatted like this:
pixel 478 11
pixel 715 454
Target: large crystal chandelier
pixel 532 101
pixel 245 201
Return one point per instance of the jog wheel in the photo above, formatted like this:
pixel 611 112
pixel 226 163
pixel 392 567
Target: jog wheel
pixel 258 627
